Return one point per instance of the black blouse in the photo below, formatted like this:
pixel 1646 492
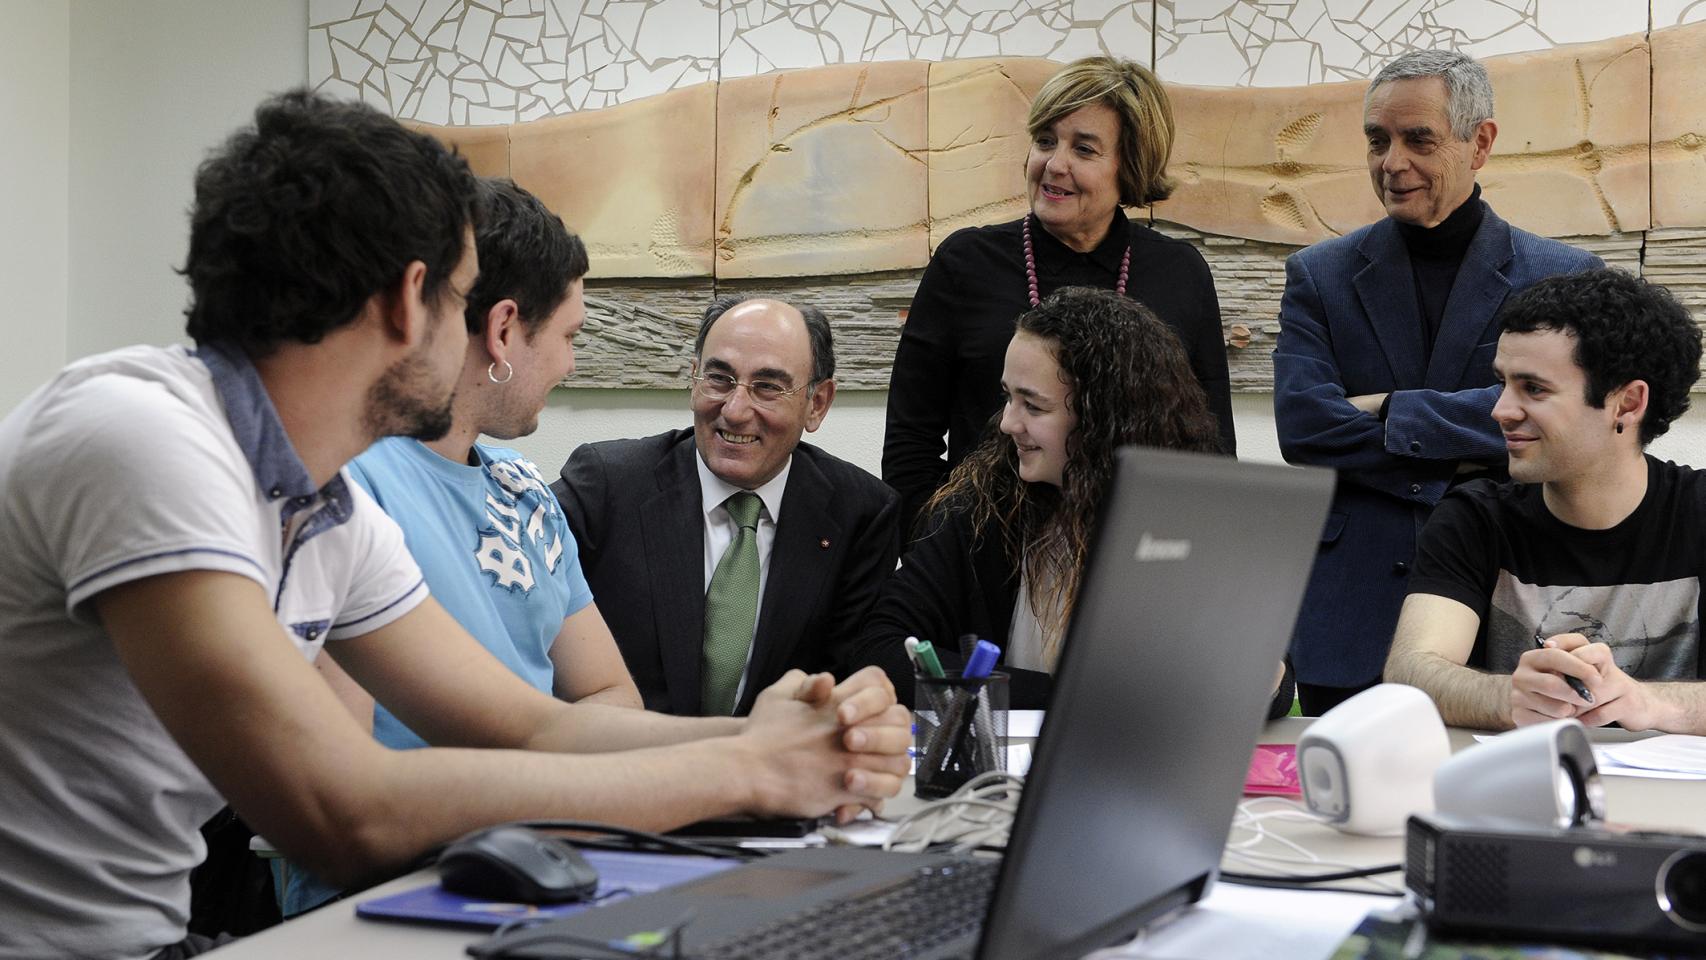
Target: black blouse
pixel 947 371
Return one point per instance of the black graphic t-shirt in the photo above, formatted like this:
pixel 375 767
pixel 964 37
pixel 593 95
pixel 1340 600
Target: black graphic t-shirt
pixel 1497 549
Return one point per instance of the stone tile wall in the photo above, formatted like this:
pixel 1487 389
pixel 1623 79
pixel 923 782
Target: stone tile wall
pixel 662 132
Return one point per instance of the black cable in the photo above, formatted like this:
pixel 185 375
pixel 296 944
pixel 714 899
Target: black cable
pixel 1284 884
pixel 644 842
pixel 1355 874
pixel 1313 881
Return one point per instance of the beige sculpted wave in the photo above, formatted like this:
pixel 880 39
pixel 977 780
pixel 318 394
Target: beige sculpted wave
pixel 848 175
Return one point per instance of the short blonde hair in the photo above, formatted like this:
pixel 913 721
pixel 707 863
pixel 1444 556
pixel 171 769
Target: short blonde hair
pixel 1137 98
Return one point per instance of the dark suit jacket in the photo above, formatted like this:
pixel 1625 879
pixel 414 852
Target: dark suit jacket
pixel 634 506
pixel 1350 325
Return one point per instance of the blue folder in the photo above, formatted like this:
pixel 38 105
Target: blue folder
pixel 620 875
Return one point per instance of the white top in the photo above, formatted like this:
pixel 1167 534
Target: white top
pixel 1027 645
pixel 720 530
pixel 127 465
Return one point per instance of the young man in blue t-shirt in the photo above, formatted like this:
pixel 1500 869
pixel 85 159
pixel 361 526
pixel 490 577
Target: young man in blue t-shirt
pixel 480 520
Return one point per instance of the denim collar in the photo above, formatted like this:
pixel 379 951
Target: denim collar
pixel 255 425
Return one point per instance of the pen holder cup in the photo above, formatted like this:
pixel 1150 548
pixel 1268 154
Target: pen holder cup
pixel 959 731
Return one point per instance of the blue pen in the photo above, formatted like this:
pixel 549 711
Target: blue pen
pixel 979 665
pixel 982 660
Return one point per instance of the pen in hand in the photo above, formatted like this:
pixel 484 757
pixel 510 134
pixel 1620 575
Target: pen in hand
pixel 1575 683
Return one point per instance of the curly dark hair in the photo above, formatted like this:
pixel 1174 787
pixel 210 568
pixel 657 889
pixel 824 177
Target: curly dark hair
pixel 1129 382
pixel 526 255
pixel 302 217
pixel 1625 329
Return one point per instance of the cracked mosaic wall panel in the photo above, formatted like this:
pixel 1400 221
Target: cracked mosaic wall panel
pixel 821 149
pixel 1278 44
pixel 474 62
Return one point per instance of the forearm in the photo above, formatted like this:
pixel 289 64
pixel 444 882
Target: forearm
pixel 589 727
pixel 377 823
pixel 1466 697
pixel 1678 707
pixel 1445 425
pixel 625 696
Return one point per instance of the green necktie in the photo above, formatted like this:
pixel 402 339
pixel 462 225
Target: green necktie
pixel 731 608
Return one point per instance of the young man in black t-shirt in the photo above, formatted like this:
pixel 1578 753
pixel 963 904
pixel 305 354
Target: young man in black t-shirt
pixel 1575 589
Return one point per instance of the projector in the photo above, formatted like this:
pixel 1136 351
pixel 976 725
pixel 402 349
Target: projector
pixel 1558 884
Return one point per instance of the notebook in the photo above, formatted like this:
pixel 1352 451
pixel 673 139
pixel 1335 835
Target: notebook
pixel 1187 604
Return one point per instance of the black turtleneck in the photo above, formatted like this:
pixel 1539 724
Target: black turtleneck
pixel 1435 254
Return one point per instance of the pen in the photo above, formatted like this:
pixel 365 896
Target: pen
pixel 982 660
pixel 925 655
pixel 979 664
pixel 912 654
pixel 1575 682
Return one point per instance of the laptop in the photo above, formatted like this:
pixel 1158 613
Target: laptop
pixel 1196 572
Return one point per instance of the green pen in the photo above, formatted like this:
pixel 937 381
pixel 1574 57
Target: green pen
pixel 926 655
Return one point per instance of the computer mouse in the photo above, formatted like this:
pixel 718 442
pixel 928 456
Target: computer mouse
pixel 513 864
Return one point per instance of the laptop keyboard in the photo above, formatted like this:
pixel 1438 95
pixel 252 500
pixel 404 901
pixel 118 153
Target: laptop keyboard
pixel 934 906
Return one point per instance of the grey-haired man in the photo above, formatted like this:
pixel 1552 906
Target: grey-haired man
pixel 1383 369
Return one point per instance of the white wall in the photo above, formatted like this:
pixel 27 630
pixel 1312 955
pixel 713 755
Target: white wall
pixel 35 106
pixel 153 86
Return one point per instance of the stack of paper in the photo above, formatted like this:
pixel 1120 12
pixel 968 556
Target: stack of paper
pixel 1674 756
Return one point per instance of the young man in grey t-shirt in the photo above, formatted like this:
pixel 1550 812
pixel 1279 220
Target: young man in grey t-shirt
pixel 1575 589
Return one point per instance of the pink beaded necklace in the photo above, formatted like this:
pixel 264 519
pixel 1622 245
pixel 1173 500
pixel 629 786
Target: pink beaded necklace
pixel 1031 266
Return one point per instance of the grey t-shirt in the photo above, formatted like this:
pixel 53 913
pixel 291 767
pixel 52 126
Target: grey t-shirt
pixel 1497 549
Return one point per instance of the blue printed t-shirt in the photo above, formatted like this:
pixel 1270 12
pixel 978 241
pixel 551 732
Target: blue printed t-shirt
pixel 494 546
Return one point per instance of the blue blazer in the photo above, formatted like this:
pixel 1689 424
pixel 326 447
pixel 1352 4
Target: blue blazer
pixel 1350 325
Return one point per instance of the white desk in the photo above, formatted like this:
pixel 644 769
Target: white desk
pixel 1297 924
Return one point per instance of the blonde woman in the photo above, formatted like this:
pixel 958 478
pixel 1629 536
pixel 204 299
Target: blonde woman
pixel 1101 131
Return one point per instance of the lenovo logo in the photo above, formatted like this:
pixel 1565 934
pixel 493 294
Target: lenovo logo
pixel 1154 548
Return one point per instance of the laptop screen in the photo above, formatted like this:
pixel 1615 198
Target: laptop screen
pixel 1186 606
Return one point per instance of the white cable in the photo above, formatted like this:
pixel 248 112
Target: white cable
pixel 1255 825
pixel 980 813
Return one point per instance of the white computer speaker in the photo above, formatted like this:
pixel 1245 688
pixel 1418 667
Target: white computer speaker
pixel 1369 762
pixel 1543 775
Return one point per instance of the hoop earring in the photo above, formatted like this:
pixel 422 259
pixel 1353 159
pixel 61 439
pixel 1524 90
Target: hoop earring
pixel 509 372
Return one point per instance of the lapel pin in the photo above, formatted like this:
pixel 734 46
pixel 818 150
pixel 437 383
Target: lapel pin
pixel 823 544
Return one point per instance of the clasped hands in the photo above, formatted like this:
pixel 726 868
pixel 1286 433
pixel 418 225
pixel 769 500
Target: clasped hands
pixel 832 746
pixel 1540 692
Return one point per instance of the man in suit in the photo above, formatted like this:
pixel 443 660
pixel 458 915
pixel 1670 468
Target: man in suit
pixel 1383 369
pixel 725 555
